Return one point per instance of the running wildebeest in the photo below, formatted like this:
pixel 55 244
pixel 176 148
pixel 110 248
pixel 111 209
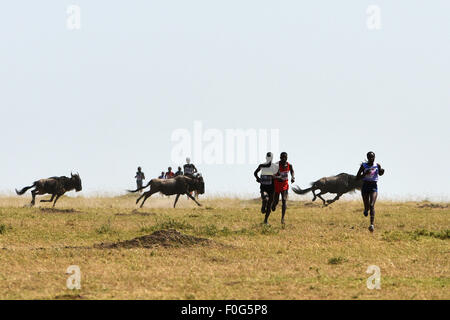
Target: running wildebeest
pixel 56 186
pixel 178 185
pixel 340 184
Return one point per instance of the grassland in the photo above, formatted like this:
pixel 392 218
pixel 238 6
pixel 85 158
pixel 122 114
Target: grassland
pixel 321 253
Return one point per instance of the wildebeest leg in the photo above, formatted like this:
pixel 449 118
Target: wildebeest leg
pixel 176 199
pixel 143 195
pixel 49 200
pixel 189 195
pixel 319 195
pixel 57 197
pixel 34 193
pixel 33 196
pixel 140 197
pixel 146 195
pixel 314 194
pixel 335 199
pixel 191 192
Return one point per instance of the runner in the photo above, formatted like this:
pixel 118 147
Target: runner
pixel 189 168
pixel 369 172
pixel 267 188
pixel 282 184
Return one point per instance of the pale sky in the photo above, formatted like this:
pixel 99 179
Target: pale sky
pixel 105 99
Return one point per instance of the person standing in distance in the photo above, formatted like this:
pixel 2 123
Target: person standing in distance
pixel 169 174
pixel 179 172
pixel 140 177
pixel 369 172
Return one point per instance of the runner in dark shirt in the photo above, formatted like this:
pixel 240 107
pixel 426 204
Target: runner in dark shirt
pixel 179 172
pixel 189 168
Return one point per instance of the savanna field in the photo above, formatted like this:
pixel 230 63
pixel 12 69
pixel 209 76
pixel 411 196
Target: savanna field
pixel 221 250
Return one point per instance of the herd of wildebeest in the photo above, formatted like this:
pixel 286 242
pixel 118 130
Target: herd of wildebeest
pixel 186 185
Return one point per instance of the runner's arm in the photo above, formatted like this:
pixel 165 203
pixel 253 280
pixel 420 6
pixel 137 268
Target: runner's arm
pixel 277 175
pixel 256 174
pixel 380 170
pixel 360 173
pixel 292 173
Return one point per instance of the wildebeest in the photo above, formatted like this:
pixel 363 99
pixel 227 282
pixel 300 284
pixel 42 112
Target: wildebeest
pixel 178 185
pixel 340 184
pixel 56 186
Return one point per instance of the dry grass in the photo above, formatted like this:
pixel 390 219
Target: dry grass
pixel 322 253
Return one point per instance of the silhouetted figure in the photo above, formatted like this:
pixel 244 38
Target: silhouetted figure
pixel 140 177
pixel 179 172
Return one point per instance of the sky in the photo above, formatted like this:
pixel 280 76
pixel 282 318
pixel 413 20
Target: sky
pixel 107 97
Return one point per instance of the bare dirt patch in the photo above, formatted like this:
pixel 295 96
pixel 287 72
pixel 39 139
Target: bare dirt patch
pixel 163 238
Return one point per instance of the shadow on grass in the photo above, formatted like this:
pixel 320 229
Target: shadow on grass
pixel 54 210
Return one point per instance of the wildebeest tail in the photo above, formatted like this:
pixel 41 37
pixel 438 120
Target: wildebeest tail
pixel 21 192
pixel 139 189
pixel 300 191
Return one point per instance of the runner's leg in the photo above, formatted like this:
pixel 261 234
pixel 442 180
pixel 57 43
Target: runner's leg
pixel 276 198
pixel 264 198
pixel 270 200
pixel 366 201
pixel 284 196
pixel 373 199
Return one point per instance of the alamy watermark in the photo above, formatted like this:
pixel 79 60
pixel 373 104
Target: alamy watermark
pixel 74 281
pixel 373 21
pixel 73 21
pixel 228 146
pixel 374 281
